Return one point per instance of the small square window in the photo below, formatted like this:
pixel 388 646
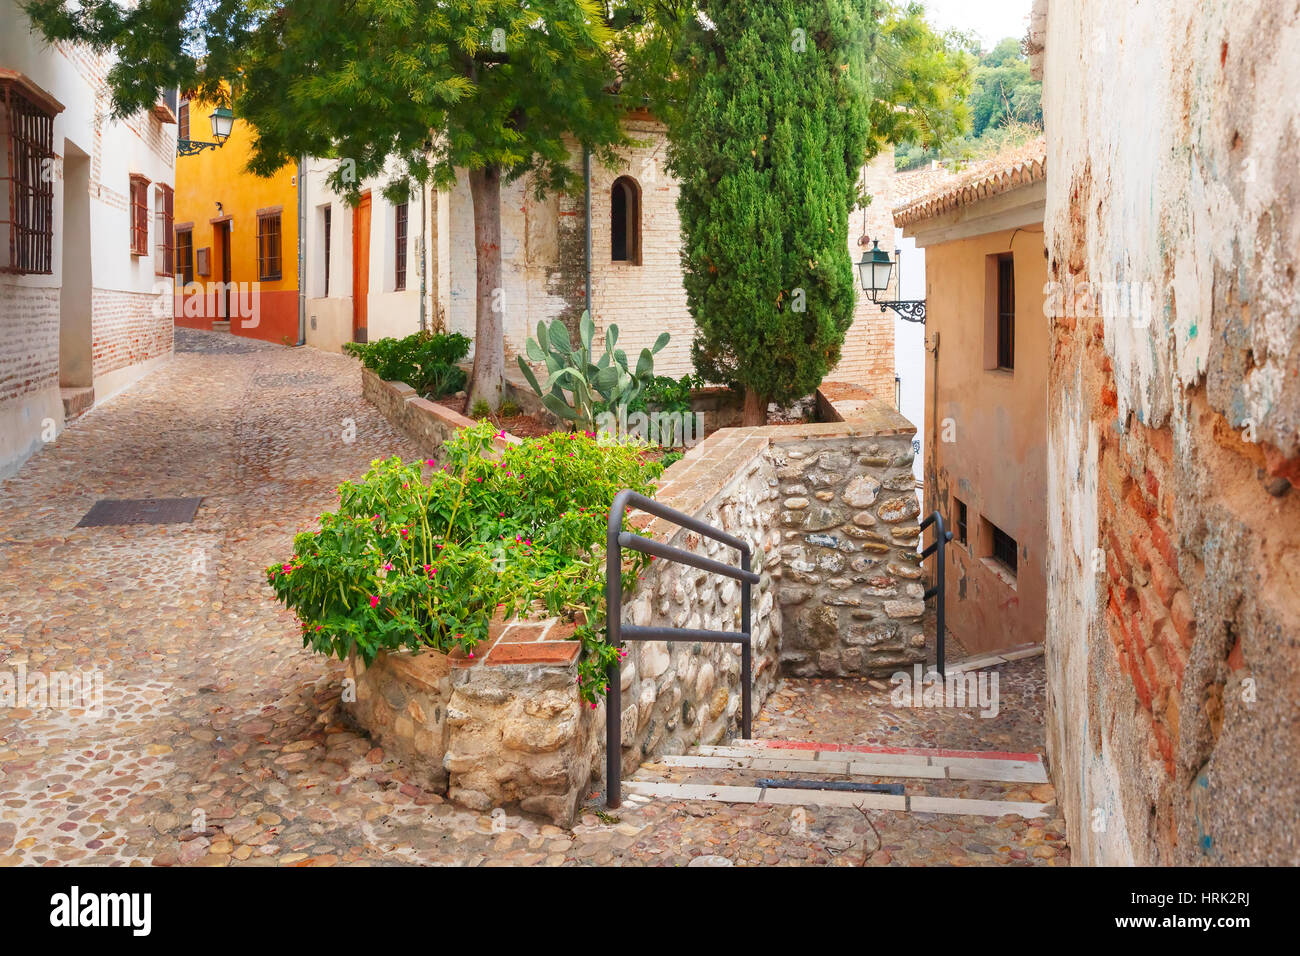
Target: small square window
pixel 960 520
pixel 1003 548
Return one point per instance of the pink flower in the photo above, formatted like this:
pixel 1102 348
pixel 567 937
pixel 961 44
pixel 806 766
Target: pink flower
pixel 374 601
pixel 387 566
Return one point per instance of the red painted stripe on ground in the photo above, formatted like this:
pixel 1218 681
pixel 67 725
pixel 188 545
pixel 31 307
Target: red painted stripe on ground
pixel 909 751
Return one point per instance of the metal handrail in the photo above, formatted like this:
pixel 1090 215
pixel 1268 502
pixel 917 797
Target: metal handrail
pixel 616 631
pixel 941 538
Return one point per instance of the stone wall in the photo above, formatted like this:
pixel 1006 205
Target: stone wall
pixel 1173 429
pixel 840 589
pixel 850 580
pixel 677 695
pixel 426 423
pixel 830 516
pixel 505 727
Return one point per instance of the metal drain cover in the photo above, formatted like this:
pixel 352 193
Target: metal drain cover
pixel 115 511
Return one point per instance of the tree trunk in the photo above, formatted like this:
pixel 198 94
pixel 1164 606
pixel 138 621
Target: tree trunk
pixel 488 376
pixel 755 408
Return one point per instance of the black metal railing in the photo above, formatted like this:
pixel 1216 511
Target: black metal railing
pixel 616 631
pixel 941 538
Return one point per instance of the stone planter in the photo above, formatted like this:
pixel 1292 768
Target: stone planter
pixel 504 728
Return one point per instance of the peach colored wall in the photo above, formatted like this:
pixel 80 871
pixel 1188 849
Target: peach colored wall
pixel 997 420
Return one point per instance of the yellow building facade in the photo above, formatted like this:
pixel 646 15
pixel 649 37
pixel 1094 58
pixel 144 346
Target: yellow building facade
pixel 236 235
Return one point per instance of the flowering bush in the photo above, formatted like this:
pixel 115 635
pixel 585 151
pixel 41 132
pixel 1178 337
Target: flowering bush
pixel 417 556
pixel 422 360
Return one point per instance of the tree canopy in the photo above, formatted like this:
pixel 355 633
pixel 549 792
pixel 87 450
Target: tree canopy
pixel 777 106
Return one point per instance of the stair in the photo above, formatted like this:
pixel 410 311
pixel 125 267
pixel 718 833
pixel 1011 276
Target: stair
pixel 978 783
pixel 76 401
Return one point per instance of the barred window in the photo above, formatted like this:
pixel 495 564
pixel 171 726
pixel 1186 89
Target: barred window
pixel 268 245
pixel 139 215
pixel 185 254
pixel 165 251
pixel 27 174
pixel 399 282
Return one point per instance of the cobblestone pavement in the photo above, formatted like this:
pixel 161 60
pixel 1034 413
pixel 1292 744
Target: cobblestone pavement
pixel 219 741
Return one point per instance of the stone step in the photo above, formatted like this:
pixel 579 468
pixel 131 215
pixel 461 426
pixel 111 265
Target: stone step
pixel 723 793
pixel 961 764
pixel 849 765
pixel 76 401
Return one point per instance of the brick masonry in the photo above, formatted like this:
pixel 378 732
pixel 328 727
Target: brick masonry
pixel 1174 451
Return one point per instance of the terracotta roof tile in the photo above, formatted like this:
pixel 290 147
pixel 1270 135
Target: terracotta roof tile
pixel 922 197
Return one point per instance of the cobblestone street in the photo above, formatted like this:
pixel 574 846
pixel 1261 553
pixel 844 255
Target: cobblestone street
pixel 221 742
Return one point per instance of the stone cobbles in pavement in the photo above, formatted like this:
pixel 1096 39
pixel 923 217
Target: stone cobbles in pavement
pixel 220 741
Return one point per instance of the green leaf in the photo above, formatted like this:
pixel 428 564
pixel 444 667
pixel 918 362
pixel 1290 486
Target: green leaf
pixel 528 373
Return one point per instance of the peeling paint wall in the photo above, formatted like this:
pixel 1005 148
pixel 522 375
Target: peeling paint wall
pixel 1174 427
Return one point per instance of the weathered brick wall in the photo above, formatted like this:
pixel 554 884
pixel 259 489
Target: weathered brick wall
pixel 868 354
pixel 128 328
pixel 1174 430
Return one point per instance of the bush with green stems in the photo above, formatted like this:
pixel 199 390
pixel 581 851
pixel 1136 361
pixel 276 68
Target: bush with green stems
pixel 424 360
pixel 417 556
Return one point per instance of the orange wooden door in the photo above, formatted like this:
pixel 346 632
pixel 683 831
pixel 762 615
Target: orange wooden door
pixel 360 267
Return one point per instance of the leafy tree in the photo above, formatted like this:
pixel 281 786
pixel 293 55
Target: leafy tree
pixel 499 88
pixel 1006 106
pixel 778 104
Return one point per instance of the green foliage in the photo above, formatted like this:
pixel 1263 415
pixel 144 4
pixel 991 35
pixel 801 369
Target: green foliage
pixel 424 361
pixel 425 558
pixel 772 130
pixel 1006 106
pixel 501 84
pixel 591 383
pixel 510 409
pixel 480 410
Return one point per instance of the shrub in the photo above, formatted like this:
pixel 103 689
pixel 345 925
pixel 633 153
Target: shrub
pixel 414 558
pixel 481 409
pixel 424 361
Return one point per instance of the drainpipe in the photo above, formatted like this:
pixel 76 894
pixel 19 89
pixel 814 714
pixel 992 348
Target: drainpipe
pixel 424 225
pixel 586 189
pixel 302 261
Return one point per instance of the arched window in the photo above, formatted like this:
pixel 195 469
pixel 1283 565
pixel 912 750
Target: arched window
pixel 625 221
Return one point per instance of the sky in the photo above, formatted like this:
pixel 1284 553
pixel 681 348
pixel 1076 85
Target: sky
pixel 990 20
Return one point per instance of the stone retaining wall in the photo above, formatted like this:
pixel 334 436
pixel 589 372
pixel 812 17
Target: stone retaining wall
pixel 503 728
pixel 830 514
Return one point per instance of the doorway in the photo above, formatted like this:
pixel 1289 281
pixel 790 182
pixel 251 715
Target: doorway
pixel 360 267
pixel 221 238
pixel 76 365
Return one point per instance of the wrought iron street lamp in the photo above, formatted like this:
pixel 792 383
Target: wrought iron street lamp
pixel 222 120
pixel 874 272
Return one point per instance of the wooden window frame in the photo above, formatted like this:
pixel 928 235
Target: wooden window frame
pixel 27 216
pixel 401 222
pixel 166 231
pixel 327 218
pixel 1006 313
pixel 266 237
pixel 138 207
pixel 183 121
pixel 185 253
